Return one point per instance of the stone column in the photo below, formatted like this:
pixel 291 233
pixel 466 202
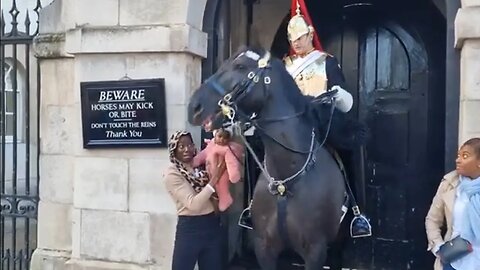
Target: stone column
pixel 467 35
pixel 107 209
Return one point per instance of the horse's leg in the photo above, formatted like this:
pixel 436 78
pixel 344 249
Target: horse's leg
pixel 316 256
pixel 266 254
pixel 335 251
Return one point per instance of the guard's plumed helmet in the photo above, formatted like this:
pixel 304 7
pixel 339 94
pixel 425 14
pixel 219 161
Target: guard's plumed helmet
pixel 298 26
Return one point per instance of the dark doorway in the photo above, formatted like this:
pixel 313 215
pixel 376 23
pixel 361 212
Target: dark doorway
pixel 393 60
pixel 393 57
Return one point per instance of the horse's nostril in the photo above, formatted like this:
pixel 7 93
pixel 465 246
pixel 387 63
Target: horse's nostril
pixel 197 107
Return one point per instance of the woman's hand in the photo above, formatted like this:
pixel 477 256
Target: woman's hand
pixel 218 170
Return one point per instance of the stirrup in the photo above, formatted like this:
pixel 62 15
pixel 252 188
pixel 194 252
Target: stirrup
pixel 245 220
pixel 359 226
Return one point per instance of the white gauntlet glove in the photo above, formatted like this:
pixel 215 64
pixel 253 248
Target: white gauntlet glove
pixel 344 100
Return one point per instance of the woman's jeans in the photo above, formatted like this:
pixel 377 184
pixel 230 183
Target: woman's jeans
pixel 198 239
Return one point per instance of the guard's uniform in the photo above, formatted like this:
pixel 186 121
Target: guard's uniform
pixel 319 76
pixel 318 72
pixel 315 73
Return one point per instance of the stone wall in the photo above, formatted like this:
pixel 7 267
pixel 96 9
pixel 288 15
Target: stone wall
pixel 107 209
pixel 267 17
pixel 467 35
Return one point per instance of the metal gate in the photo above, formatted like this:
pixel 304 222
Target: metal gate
pixel 19 126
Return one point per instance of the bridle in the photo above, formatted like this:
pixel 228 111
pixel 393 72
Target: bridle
pixel 229 101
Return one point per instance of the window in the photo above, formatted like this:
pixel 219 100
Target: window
pixel 9 101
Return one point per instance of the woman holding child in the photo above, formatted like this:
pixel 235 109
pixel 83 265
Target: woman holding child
pixel 198 234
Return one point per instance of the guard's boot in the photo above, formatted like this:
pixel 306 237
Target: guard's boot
pixel 360 225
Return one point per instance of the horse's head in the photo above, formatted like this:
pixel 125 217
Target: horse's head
pixel 240 83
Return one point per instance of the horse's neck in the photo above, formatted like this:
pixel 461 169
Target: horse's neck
pixel 294 133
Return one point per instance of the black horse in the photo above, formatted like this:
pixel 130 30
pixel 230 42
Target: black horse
pixel 298 197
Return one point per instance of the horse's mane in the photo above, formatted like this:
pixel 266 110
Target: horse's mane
pixel 290 89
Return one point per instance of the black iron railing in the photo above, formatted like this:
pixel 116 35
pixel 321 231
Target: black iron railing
pixel 19 133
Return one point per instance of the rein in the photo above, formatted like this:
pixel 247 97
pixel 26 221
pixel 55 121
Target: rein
pixel 278 186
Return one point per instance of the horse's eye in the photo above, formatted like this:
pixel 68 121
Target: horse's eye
pixel 240 67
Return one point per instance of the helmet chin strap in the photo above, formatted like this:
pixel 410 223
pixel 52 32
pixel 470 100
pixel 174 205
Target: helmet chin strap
pixel 306 53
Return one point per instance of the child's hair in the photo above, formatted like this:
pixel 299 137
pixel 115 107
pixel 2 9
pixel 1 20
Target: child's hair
pixel 475 144
pixel 223 133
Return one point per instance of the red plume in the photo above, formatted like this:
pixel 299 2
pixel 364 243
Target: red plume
pixel 304 12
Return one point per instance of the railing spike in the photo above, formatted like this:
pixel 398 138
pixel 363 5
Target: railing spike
pixel 38 6
pixel 37 9
pixel 27 24
pixel 14 12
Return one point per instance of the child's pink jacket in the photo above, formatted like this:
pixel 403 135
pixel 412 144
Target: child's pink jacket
pixel 233 155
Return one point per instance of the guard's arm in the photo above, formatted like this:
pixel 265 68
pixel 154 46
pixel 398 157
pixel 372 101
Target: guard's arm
pixel 336 81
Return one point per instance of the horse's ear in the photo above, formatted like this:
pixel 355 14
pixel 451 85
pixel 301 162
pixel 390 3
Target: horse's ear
pixel 255 38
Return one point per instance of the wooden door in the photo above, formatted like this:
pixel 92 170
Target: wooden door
pixel 393 71
pixel 392 54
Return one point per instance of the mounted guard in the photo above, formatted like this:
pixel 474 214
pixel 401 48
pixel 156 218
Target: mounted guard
pixel 314 71
pixel 319 77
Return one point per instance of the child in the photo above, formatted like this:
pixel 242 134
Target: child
pixel 221 148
